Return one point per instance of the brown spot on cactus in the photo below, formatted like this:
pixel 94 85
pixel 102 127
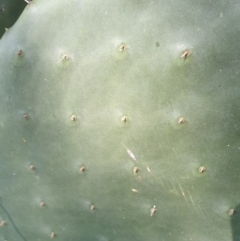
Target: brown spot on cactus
pixel 92 207
pixel 52 234
pixel 20 53
pixel 31 167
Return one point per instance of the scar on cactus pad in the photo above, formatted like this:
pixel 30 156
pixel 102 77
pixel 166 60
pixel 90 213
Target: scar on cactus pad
pixel 134 190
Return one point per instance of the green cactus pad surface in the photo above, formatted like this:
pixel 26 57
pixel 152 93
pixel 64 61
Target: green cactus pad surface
pixel 120 122
pixel 10 10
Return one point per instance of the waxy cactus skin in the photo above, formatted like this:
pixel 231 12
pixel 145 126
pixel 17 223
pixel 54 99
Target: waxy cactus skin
pixel 10 10
pixel 120 121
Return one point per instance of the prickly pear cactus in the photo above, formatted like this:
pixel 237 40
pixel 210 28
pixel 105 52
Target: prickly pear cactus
pixel 10 10
pixel 120 121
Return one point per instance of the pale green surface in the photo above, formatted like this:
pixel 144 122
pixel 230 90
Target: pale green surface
pixel 10 10
pixel 153 86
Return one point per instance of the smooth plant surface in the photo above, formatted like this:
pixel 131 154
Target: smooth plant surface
pixel 120 121
pixel 10 10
